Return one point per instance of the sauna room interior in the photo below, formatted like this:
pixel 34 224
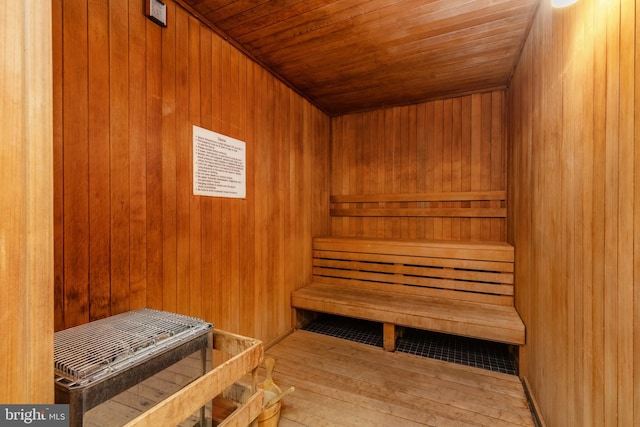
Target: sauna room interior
pixel 520 129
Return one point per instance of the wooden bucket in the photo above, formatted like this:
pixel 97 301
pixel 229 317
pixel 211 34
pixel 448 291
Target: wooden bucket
pixel 269 417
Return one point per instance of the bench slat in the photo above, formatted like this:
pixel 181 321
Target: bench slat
pixel 327 265
pixel 421 212
pixel 449 196
pixel 422 282
pixel 411 291
pixel 437 249
pixel 469 264
pixel 485 321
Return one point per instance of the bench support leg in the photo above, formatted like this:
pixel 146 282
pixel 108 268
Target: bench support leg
pixel 301 318
pixel 389 337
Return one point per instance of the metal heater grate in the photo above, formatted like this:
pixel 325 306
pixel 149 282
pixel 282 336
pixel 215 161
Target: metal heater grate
pixel 104 357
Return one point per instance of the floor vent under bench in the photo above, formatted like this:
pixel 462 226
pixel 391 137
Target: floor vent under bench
pixel 491 356
pixel 460 288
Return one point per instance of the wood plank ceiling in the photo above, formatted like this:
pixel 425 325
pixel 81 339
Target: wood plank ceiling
pixel 355 55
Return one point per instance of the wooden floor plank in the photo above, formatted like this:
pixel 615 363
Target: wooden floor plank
pixel 342 383
pixel 483 379
pixel 405 401
pixel 373 409
pixel 360 383
pixel 399 366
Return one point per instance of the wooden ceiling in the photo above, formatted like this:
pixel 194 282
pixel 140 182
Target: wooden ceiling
pixel 356 55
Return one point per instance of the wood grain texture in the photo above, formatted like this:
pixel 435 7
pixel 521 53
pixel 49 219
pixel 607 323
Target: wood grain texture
pixel 480 320
pixel 350 56
pixel 131 233
pixel 421 197
pixel 243 356
pixel 573 191
pixel 342 383
pixel 119 157
pixel 412 161
pixel 446 213
pixel 58 182
pixel 452 287
pixel 98 145
pixel 75 197
pixel 26 202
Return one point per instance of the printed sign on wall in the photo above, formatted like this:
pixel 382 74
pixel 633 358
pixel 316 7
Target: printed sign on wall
pixel 219 165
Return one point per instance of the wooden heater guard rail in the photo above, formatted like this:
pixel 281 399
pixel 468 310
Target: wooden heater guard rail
pixel 463 204
pixel 462 288
pixel 247 353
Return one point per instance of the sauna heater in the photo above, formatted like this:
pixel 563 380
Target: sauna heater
pixel 98 360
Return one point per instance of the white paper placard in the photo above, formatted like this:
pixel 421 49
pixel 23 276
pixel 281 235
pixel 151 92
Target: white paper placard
pixel 219 165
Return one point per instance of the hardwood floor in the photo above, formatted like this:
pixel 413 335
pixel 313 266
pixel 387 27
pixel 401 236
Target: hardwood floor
pixel 341 383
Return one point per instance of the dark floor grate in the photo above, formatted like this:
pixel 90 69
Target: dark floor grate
pixel 449 348
pixel 356 330
pixel 465 351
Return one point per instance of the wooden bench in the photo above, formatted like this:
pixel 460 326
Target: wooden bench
pixel 461 288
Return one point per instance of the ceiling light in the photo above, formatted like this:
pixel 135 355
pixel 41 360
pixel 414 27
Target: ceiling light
pixel 562 3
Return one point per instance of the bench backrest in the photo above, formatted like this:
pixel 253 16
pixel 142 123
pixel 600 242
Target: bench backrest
pixel 471 271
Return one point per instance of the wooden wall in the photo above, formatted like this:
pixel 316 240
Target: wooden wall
pixel 574 203
pixel 129 232
pixel 432 149
pixel 26 203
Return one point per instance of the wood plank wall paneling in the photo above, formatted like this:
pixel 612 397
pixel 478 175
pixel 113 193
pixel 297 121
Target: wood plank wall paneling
pixel 445 146
pixel 574 203
pixel 26 202
pixel 129 232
